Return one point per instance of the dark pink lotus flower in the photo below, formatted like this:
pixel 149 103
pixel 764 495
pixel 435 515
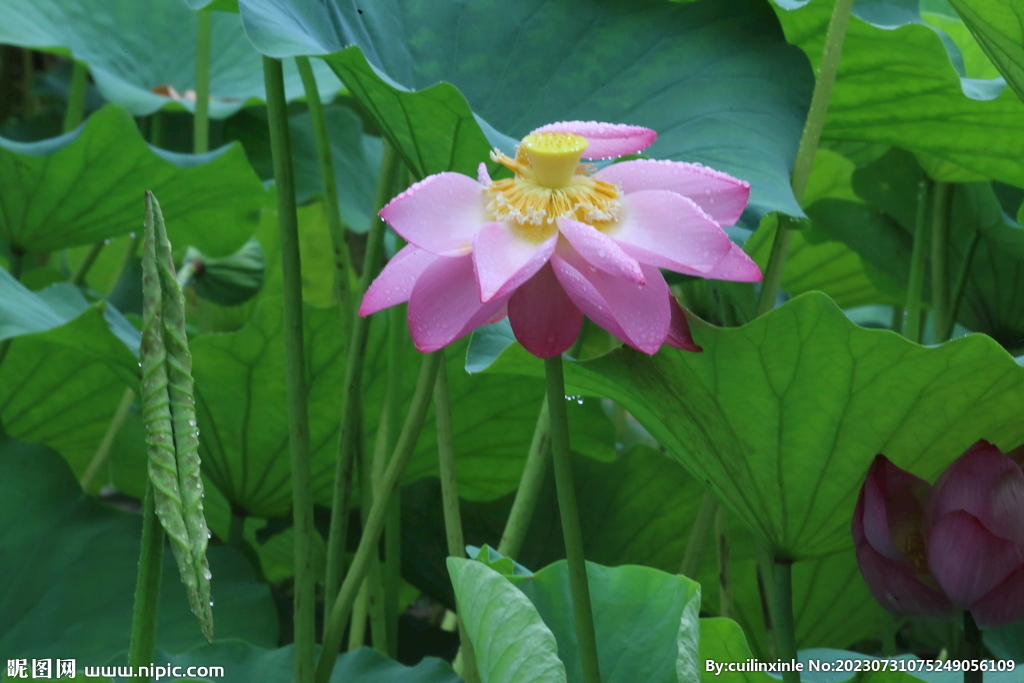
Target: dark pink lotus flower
pixel 888 532
pixel 975 527
pixel 557 242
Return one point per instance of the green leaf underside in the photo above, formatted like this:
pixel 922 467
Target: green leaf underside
pixel 783 416
pixel 716 81
pixel 998 25
pixel 645 620
pixel 511 641
pixel 897 86
pixel 87 186
pixel 132 48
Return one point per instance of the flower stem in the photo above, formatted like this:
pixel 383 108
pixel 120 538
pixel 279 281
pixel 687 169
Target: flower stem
pixel 941 208
pixel 103 451
pixel 201 121
pixel 724 583
pixel 371 592
pixel 147 585
pixel 350 397
pixel 530 485
pixel 78 279
pixel 392 576
pixel 782 617
pixel 975 648
pixel 298 419
pixel 156 128
pixel 566 488
pixel 76 96
pixel 16 262
pixel 236 528
pixel 342 605
pixel 898 312
pixel 957 294
pixel 915 285
pixel 450 504
pixel 699 535
pixel 815 123
pixel 345 276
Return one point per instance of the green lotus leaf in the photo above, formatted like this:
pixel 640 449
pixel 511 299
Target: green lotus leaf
pixel 72 564
pixel 782 416
pixel 87 186
pixel 646 621
pixel 142 56
pixel 715 80
pixel 998 26
pixel 817 259
pixel 65 369
pixel 230 280
pixel 898 86
pixel 244 435
pixel 512 643
pixel 356 158
pixel 994 288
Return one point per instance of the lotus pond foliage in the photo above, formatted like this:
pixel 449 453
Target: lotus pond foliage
pixel 554 341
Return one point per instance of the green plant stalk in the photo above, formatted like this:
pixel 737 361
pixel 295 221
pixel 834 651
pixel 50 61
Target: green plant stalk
pixel 815 123
pixel 342 606
pixel 782 617
pixel 392 576
pixel 530 485
pixel 29 103
pixel 975 648
pixel 201 120
pixel 724 582
pixel 236 528
pixel 703 524
pixel 450 504
pixel 371 593
pixel 78 279
pixel 103 451
pixel 941 209
pixel 345 276
pixel 147 585
pixel 350 396
pixel 156 129
pixel 915 285
pixel 295 367
pixel 566 487
pixel 76 97
pixel 16 263
pixel 129 256
pixel 766 591
pixel 898 312
pixel 958 289
pixel 360 610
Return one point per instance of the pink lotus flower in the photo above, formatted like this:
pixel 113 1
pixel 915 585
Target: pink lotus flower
pixel 975 526
pixel 888 532
pixel 557 242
